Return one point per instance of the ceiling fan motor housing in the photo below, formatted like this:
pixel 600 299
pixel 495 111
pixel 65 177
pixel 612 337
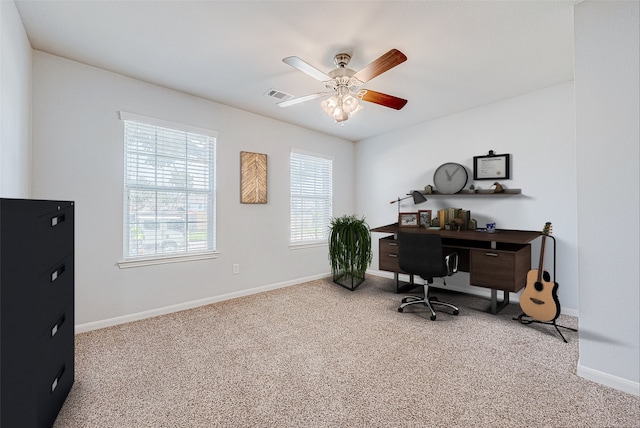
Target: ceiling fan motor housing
pixel 342 59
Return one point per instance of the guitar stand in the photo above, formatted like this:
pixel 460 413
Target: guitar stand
pixel 553 323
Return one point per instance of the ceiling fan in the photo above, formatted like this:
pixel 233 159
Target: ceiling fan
pixel 341 102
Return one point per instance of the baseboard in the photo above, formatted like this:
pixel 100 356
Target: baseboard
pixel 609 380
pixel 95 325
pixel 514 298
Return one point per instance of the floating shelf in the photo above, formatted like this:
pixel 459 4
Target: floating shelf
pixel 466 192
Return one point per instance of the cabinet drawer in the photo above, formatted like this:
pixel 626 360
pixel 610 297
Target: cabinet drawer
pixel 52 389
pixel 54 289
pixel 388 254
pixel 53 236
pixel 498 269
pixel 35 234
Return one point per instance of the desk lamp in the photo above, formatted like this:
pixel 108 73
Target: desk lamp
pixel 418 198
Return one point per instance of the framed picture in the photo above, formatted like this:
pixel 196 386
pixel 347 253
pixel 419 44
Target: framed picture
pixel 424 218
pixel 408 220
pixel 253 178
pixel 491 167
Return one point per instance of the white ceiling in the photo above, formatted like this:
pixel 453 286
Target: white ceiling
pixel 461 54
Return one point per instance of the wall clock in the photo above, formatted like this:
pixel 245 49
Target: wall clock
pixel 450 178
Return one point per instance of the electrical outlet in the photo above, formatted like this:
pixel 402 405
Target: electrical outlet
pixel 236 268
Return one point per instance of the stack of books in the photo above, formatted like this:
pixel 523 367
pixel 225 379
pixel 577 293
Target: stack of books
pixel 447 216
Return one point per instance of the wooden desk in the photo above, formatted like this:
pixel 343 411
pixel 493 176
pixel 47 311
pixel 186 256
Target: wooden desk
pixel 498 261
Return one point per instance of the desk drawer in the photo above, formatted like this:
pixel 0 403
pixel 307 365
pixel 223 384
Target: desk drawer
pixel 499 269
pixel 388 254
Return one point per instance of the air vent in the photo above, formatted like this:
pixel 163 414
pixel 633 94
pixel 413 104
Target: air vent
pixel 279 95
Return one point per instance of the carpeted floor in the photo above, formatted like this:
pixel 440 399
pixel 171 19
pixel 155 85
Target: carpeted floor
pixel 318 355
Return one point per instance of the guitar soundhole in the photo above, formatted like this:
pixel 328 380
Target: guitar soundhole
pixel 538 286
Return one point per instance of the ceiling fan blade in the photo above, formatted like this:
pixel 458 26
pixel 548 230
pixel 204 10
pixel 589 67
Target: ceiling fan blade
pixel 382 99
pixel 306 68
pixel 299 100
pixel 380 65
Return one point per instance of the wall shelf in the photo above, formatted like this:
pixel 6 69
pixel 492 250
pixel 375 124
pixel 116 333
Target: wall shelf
pixel 477 192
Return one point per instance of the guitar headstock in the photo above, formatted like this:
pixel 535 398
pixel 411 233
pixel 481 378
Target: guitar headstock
pixel 546 230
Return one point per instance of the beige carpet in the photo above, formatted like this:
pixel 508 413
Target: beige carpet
pixel 318 355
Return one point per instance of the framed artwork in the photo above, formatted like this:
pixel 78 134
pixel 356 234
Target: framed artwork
pixel 491 167
pixel 408 219
pixel 424 218
pixel 253 178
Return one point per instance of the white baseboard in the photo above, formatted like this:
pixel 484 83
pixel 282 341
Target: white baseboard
pixel 95 325
pixel 609 380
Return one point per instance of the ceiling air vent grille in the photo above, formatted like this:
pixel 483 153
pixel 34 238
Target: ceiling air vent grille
pixel 279 95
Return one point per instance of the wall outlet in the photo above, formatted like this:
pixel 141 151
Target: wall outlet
pixel 236 268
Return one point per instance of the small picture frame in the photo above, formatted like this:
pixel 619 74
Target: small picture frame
pixel 491 167
pixel 424 218
pixel 408 220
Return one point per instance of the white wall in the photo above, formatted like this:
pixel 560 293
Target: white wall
pixel 537 129
pixel 15 105
pixel 607 46
pixel 78 155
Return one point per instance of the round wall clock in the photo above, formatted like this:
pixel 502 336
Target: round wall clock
pixel 450 178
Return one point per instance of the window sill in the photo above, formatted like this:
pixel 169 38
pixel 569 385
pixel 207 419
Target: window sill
pixel 133 263
pixel 302 246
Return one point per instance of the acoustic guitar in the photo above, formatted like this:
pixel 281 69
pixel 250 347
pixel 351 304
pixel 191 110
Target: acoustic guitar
pixel 539 300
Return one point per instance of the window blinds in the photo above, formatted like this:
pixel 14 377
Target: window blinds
pixel 311 197
pixel 169 190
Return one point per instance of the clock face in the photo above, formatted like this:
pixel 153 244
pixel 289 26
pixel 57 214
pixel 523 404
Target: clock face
pixel 450 178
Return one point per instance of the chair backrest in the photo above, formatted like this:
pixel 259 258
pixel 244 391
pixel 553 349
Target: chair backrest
pixel 421 254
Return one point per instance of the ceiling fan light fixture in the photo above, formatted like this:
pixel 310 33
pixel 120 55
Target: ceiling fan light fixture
pixel 341 106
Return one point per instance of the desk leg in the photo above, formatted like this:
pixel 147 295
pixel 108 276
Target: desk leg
pixel 498 306
pixel 405 288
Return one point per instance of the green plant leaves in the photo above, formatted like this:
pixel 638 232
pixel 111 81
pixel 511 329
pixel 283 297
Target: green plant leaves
pixel 349 247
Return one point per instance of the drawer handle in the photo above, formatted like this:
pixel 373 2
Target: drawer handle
pixel 395 256
pixel 57 220
pixel 393 244
pixel 491 254
pixel 56 273
pixel 55 382
pixel 57 325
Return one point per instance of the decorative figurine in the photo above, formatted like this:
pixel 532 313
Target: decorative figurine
pixel 498 188
pixel 428 189
pixel 456 224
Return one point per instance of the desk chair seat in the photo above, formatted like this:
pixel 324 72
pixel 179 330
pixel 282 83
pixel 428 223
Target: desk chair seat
pixel 421 254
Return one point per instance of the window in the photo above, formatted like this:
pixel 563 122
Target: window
pixel 169 189
pixel 311 197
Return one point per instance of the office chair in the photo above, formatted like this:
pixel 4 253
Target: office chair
pixel 421 254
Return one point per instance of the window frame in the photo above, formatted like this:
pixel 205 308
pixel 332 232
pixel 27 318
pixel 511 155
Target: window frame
pixel 306 243
pixel 127 260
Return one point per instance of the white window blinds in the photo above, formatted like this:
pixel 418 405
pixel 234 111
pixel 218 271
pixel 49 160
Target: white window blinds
pixel 169 188
pixel 311 197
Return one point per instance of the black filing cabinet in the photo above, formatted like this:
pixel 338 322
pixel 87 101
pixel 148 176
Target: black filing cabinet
pixel 36 310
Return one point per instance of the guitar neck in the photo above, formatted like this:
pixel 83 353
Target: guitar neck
pixel 541 261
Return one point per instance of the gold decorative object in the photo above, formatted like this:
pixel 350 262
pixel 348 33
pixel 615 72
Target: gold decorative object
pixel 253 178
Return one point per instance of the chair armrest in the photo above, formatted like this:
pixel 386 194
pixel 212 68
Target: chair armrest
pixel 451 262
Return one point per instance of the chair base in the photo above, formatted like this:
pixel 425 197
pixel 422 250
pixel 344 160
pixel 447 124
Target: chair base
pixel 428 301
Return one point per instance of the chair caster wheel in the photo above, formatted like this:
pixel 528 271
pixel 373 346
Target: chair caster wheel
pixel 400 309
pixel 432 317
pixel 456 312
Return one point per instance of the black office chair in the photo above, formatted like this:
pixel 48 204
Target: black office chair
pixel 421 254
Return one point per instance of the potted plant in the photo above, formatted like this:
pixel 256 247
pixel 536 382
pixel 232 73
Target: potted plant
pixel 349 250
